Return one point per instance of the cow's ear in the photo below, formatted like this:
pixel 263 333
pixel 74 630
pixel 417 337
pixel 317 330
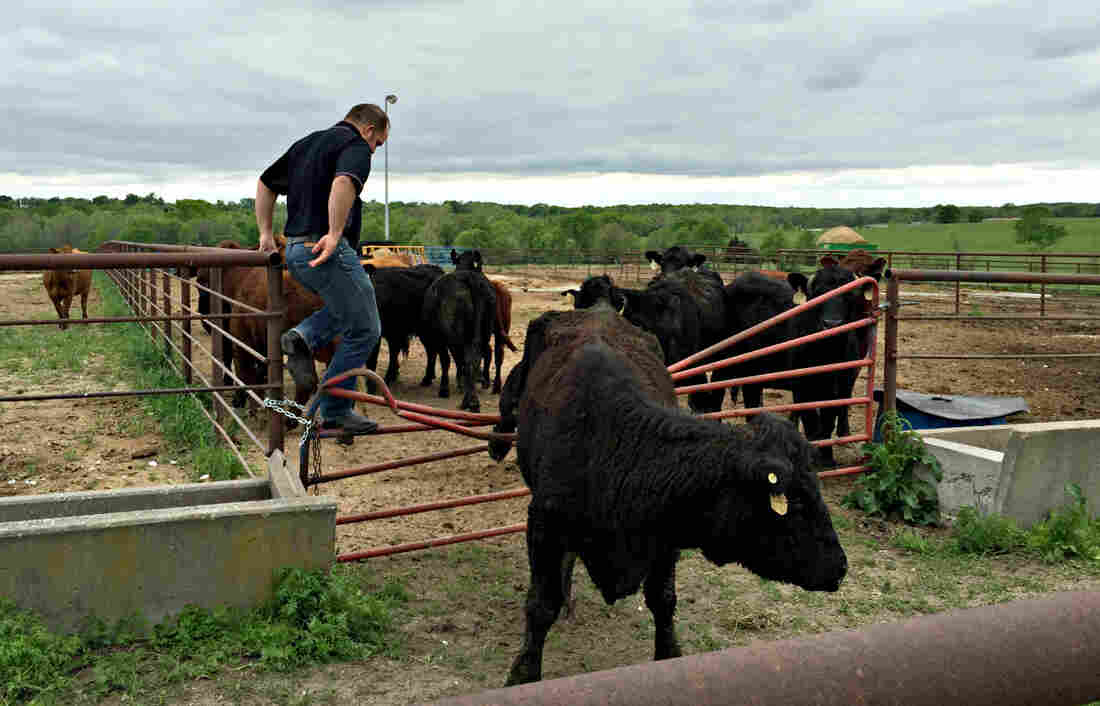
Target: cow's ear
pixel 653 256
pixel 828 261
pixel 477 258
pixel 620 300
pixel 698 259
pixel 571 291
pixel 876 268
pixel 454 256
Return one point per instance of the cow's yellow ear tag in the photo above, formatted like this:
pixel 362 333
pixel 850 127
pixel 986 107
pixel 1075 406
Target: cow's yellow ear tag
pixel 779 504
pixel 772 478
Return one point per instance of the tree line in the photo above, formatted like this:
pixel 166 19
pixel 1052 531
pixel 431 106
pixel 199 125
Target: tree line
pixel 35 224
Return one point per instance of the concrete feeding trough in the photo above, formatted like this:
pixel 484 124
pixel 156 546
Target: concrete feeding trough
pixel 924 411
pixel 152 551
pixel 1016 470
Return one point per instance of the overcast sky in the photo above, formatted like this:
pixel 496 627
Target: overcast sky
pixel 828 103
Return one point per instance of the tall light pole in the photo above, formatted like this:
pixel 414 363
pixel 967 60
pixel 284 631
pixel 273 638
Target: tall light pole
pixel 390 99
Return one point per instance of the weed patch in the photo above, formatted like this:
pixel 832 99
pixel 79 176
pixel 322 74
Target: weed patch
pixel 314 617
pixel 892 486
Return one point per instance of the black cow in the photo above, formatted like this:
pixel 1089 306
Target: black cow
pixel 471 261
pixel 595 289
pixel 679 258
pixel 624 479
pixel 399 293
pixel 839 310
pixel 753 298
pixel 458 317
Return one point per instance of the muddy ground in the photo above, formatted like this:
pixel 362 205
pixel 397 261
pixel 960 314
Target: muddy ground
pixel 100 444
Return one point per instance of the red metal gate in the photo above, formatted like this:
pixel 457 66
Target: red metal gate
pixel 426 418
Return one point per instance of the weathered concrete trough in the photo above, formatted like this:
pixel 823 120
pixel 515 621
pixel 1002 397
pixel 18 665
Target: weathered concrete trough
pixel 153 551
pixel 1016 470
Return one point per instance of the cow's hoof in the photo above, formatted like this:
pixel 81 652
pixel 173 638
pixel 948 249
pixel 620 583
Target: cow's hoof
pixel 444 393
pixel 426 382
pixel 496 388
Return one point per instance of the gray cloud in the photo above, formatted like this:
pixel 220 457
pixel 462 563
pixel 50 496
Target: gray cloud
pixel 677 87
pixel 836 79
pixel 1068 42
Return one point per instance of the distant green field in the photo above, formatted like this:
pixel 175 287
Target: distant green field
pixel 1083 235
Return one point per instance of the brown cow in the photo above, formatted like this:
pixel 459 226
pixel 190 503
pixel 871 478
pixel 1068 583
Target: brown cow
pixel 248 285
pixel 500 334
pixel 860 263
pixel 63 285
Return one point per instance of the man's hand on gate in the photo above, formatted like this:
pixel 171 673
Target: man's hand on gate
pixel 267 243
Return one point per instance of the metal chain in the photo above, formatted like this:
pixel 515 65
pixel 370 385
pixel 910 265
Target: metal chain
pixel 308 433
pixel 283 408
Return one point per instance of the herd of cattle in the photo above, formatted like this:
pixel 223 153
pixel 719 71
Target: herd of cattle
pixel 619 475
pixel 466 316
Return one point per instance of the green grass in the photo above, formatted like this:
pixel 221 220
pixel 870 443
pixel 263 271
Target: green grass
pixel 180 420
pixel 314 617
pixel 1070 533
pixel 44 355
pixel 1082 235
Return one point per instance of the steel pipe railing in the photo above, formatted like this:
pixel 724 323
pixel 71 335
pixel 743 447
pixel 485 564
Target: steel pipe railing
pixel 1038 651
pixel 438 505
pixel 430 543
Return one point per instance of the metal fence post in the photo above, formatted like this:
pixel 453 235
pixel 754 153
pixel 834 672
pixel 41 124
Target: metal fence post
pixel 275 328
pixel 185 306
pixel 166 284
pixel 890 364
pixel 958 285
pixel 1043 289
pixel 216 307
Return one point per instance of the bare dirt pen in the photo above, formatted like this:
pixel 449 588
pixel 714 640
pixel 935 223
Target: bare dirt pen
pixel 464 621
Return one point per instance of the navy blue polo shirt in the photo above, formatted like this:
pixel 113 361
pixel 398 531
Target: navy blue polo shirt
pixel 305 175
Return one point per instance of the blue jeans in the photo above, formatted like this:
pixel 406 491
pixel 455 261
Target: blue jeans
pixel 349 311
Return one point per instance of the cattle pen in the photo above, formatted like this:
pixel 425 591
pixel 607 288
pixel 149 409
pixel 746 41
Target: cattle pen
pixel 1005 647
pixel 894 303
pixel 427 418
pixel 143 274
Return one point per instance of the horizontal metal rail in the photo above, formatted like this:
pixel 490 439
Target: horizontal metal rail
pixel 116 278
pixel 135 319
pixel 119 260
pixel 439 505
pixel 390 465
pixel 677 368
pixel 771 377
pixel 989 277
pixel 394 404
pixel 234 302
pixel 998 317
pixel 992 356
pixel 1037 651
pixel 132 393
pixel 429 543
pixel 399 429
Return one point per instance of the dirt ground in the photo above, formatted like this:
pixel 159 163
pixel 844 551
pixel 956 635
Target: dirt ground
pixel 91 444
